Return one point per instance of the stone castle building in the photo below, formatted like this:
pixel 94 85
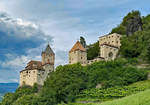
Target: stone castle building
pixel 78 54
pixel 37 71
pixel 109 47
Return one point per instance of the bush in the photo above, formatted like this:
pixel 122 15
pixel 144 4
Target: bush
pixel 65 83
pixel 11 98
pixel 114 73
pixel 93 50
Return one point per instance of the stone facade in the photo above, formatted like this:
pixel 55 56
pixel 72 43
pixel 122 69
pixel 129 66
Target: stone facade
pixel 109 48
pixel 37 71
pixel 78 54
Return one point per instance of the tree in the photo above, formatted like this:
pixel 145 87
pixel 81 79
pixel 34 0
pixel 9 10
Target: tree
pixel 83 42
pixel 93 50
pixel 65 83
pixel 120 29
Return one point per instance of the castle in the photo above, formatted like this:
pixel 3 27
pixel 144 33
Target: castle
pixel 109 47
pixel 37 71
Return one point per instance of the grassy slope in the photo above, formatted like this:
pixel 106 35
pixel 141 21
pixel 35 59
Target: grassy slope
pixel 137 91
pixel 142 98
pixel 113 93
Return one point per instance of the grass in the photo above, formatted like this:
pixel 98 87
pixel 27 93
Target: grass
pixel 137 94
pixel 142 98
pixel 94 95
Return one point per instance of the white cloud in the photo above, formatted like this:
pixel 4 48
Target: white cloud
pixel 15 62
pixel 21 28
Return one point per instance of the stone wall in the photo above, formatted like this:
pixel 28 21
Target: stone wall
pixel 78 56
pixel 112 39
pixel 28 77
pixel 108 52
pixel 109 46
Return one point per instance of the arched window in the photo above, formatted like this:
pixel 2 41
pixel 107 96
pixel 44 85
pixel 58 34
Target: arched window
pixel 110 55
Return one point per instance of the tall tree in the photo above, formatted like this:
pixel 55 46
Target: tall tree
pixel 82 41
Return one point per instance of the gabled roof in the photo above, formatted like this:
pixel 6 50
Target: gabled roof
pixel 48 50
pixel 77 46
pixel 34 65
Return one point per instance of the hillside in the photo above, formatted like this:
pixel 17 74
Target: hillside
pixel 99 95
pixel 142 98
pixel 68 81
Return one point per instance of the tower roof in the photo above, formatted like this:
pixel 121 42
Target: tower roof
pixel 48 50
pixel 77 46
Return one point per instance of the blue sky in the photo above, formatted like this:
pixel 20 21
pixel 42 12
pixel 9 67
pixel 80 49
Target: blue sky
pixel 26 26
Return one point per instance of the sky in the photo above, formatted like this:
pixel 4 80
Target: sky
pixel 27 26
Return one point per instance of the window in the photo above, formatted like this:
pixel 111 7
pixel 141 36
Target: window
pixel 110 55
pixel 81 57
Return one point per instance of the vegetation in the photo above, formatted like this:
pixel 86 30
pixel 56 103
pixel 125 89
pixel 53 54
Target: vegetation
pixel 142 98
pixel 65 84
pixel 83 42
pixel 130 24
pixel 10 98
pixel 137 45
pixel 93 50
pixel 112 93
pixel 137 42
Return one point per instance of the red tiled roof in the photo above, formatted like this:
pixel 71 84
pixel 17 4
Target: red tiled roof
pixel 34 65
pixel 77 46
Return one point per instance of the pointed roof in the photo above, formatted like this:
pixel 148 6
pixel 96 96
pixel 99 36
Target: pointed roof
pixel 77 46
pixel 48 50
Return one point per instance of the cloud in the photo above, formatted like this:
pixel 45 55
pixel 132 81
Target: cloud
pixel 15 62
pixel 20 28
pixel 30 24
pixel 21 41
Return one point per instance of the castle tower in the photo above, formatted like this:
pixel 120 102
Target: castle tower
pixel 78 54
pixel 48 59
pixel 109 46
pixel 48 56
pixel 37 71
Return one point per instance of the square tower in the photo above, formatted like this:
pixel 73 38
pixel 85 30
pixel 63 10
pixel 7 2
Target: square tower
pixel 78 54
